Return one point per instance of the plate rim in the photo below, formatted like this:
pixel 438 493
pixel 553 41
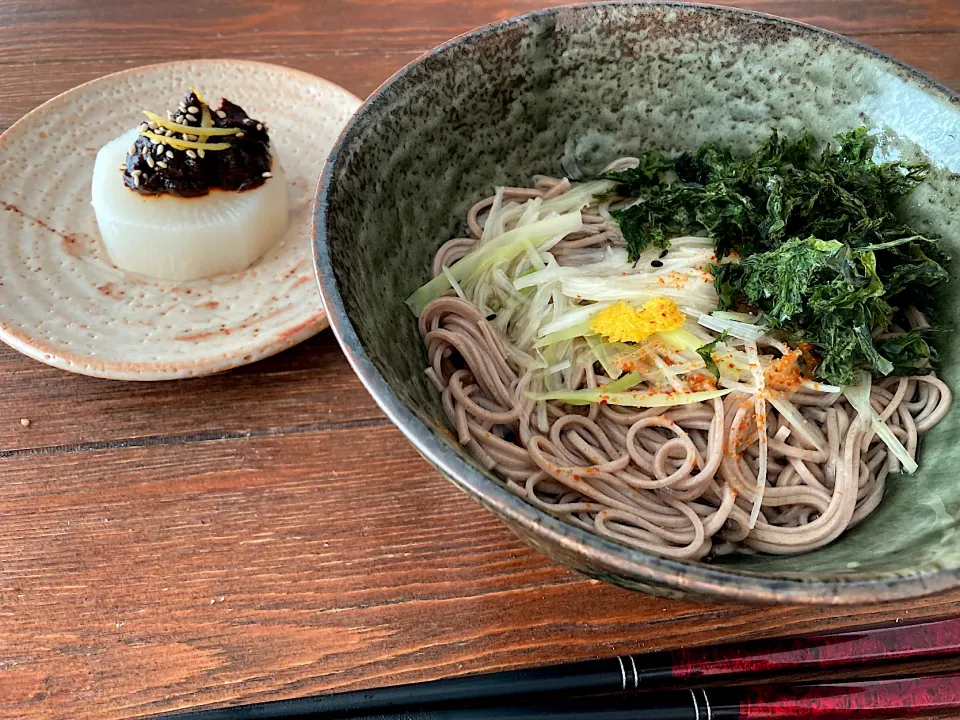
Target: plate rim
pixel 284 338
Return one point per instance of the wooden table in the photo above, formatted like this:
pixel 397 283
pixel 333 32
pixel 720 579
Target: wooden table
pixel 267 533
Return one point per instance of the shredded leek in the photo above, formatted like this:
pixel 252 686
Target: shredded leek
pixel 800 424
pixel 503 247
pixel 760 408
pixel 736 316
pixel 581 330
pixel 859 397
pixel 624 382
pixel 736 329
pixel 453 283
pixel 681 339
pixel 606 354
pixel 577 316
pixel 821 387
pixel 548 274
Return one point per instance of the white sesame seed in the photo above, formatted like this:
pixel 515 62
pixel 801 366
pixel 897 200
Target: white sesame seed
pixel 160 149
pixel 221 114
pixel 136 173
pixel 193 109
pixel 268 175
pixel 161 164
pixel 239 134
pixel 201 153
pixel 191 154
pixel 25 422
pixel 169 115
pixel 191 118
pixel 150 161
pixel 259 126
pixel 136 181
pixel 143 126
pixel 132 150
pixel 169 153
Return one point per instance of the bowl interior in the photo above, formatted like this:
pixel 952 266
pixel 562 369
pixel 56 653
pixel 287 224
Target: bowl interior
pixel 562 93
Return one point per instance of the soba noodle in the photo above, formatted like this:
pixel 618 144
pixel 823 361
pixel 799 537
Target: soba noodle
pixel 679 481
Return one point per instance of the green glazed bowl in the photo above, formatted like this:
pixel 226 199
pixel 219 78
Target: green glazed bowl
pixel 562 92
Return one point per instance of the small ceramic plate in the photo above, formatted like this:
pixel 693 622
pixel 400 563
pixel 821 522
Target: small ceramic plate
pixel 61 300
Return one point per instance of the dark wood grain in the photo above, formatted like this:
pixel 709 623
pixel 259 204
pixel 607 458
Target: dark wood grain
pixel 302 389
pixel 267 533
pixel 66 30
pixel 370 573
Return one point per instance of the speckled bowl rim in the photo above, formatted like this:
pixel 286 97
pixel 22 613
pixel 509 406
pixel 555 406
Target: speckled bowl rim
pixel 729 584
pixel 312 321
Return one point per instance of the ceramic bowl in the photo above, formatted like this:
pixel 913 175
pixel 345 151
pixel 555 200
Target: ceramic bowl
pixel 563 91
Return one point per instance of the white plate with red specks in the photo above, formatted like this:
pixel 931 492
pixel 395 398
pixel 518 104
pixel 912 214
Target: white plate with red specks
pixel 61 300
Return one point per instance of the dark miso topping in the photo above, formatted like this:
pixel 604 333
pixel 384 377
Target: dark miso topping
pixel 237 161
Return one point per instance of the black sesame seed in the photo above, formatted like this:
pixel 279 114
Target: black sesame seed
pixel 664 253
pixel 656 263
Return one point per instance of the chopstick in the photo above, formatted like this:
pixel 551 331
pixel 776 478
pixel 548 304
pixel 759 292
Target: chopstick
pixel 900 698
pixel 913 697
pixel 923 640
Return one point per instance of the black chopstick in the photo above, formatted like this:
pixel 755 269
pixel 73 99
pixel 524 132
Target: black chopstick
pixel 922 640
pixel 864 700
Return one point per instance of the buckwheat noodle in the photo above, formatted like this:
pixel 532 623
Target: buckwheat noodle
pixel 678 481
